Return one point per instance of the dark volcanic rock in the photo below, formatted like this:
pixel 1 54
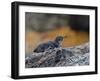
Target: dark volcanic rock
pixel 78 55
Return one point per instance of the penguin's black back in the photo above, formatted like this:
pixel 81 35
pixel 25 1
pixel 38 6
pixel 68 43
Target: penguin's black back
pixel 44 46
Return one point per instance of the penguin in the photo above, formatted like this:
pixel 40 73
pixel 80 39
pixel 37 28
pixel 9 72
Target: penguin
pixel 49 45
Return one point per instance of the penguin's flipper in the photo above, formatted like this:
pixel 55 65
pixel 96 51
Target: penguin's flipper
pixel 39 49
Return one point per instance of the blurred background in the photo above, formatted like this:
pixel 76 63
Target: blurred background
pixel 43 27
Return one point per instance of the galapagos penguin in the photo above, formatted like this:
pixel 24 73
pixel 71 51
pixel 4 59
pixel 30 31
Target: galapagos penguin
pixel 49 45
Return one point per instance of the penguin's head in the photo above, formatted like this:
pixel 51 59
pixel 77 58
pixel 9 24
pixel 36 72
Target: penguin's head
pixel 59 39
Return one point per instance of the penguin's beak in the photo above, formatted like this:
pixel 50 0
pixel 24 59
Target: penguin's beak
pixel 65 36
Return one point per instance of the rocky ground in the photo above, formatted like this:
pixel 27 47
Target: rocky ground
pixel 72 56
